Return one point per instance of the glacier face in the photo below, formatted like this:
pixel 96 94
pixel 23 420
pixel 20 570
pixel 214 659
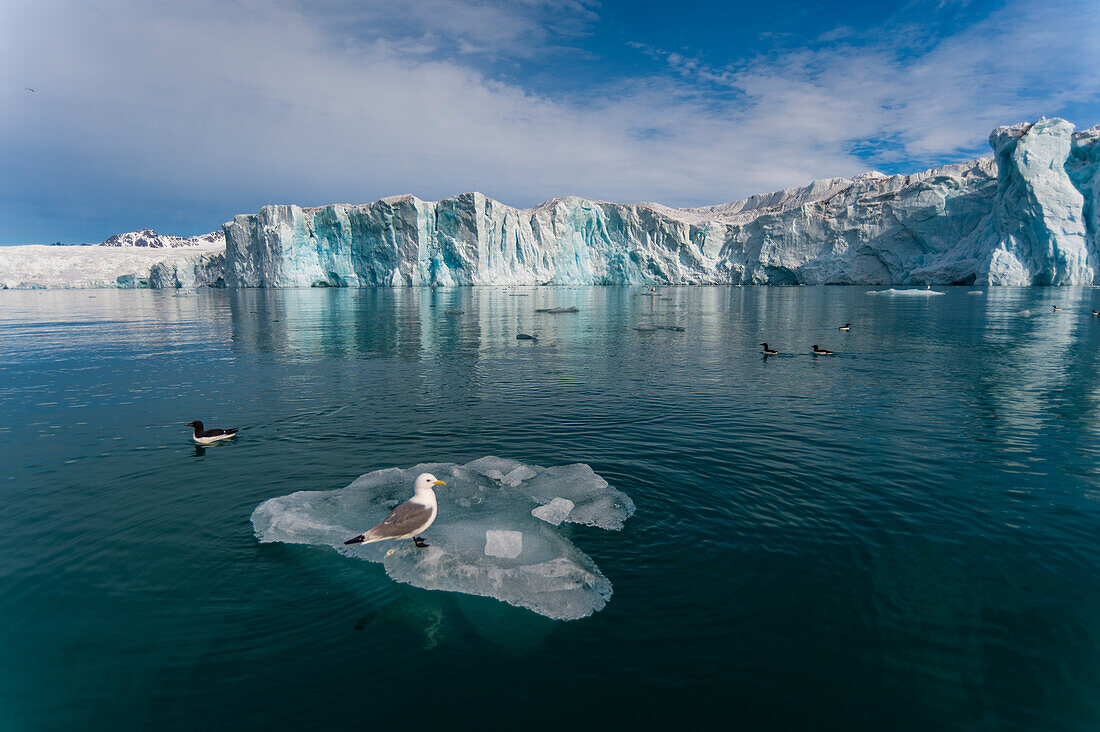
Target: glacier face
pixel 58 267
pixel 1026 216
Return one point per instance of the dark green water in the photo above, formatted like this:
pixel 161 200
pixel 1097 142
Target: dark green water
pixel 901 536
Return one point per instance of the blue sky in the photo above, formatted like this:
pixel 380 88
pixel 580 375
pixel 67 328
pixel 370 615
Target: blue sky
pixel 176 116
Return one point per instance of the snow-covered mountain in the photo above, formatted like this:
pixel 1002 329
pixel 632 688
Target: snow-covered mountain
pixel 1028 215
pixel 150 238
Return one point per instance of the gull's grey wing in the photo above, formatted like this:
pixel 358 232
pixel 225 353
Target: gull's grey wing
pixel 406 519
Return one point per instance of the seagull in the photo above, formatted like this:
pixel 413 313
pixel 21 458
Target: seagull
pixel 408 520
pixel 27 88
pixel 821 352
pixel 208 437
pixel 846 327
pixel 769 351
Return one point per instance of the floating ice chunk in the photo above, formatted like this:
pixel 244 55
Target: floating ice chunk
pixel 504 544
pixel 554 512
pixel 974 292
pixel 486 539
pixel 893 291
pixel 558 311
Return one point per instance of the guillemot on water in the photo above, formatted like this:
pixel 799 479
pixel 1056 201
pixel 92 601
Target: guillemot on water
pixel 821 351
pixel 846 327
pixel 1057 309
pixel 769 351
pixel 408 520
pixel 207 437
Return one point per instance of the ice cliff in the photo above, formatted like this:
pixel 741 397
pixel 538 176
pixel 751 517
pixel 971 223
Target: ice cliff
pixel 1026 216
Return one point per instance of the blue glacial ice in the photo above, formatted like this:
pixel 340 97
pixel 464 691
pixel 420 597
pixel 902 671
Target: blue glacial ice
pixel 489 538
pixel 1028 215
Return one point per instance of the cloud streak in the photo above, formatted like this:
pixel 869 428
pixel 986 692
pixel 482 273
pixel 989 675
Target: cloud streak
pixel 178 116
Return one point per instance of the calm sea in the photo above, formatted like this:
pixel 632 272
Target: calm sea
pixel 903 536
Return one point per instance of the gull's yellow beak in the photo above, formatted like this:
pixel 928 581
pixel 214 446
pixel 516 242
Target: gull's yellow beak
pixel 439 482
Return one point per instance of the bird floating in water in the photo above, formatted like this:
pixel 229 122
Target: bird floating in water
pixel 1096 313
pixel 821 351
pixel 208 437
pixel 846 327
pixel 408 520
pixel 769 351
pixel 1057 309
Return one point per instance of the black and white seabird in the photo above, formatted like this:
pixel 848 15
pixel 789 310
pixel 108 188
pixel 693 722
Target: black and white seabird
pixel 821 351
pixel 846 327
pixel 206 437
pixel 1096 313
pixel 1056 308
pixel 408 520
pixel 769 351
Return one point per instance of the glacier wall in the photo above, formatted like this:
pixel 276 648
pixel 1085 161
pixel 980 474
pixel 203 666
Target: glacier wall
pixel 1027 216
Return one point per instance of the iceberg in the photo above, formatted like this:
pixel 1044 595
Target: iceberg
pixel 487 539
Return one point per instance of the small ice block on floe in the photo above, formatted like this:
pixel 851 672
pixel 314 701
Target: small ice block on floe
pixel 503 543
pixel 554 512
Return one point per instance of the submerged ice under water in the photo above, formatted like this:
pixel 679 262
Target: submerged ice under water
pixel 496 533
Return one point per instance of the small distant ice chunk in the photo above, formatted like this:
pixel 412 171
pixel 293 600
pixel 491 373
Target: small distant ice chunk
pixel 558 311
pixel 504 544
pixel 518 475
pixel 975 292
pixel 1024 313
pixel 893 291
pixel 645 328
pixel 554 512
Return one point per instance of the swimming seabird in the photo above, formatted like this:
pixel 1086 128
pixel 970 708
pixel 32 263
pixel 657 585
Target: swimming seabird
pixel 846 327
pixel 1056 308
pixel 1096 313
pixel 821 351
pixel 769 351
pixel 408 520
pixel 207 437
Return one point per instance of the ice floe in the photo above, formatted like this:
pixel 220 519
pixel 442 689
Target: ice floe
pixel 497 533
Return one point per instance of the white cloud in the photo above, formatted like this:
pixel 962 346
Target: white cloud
pixel 237 104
